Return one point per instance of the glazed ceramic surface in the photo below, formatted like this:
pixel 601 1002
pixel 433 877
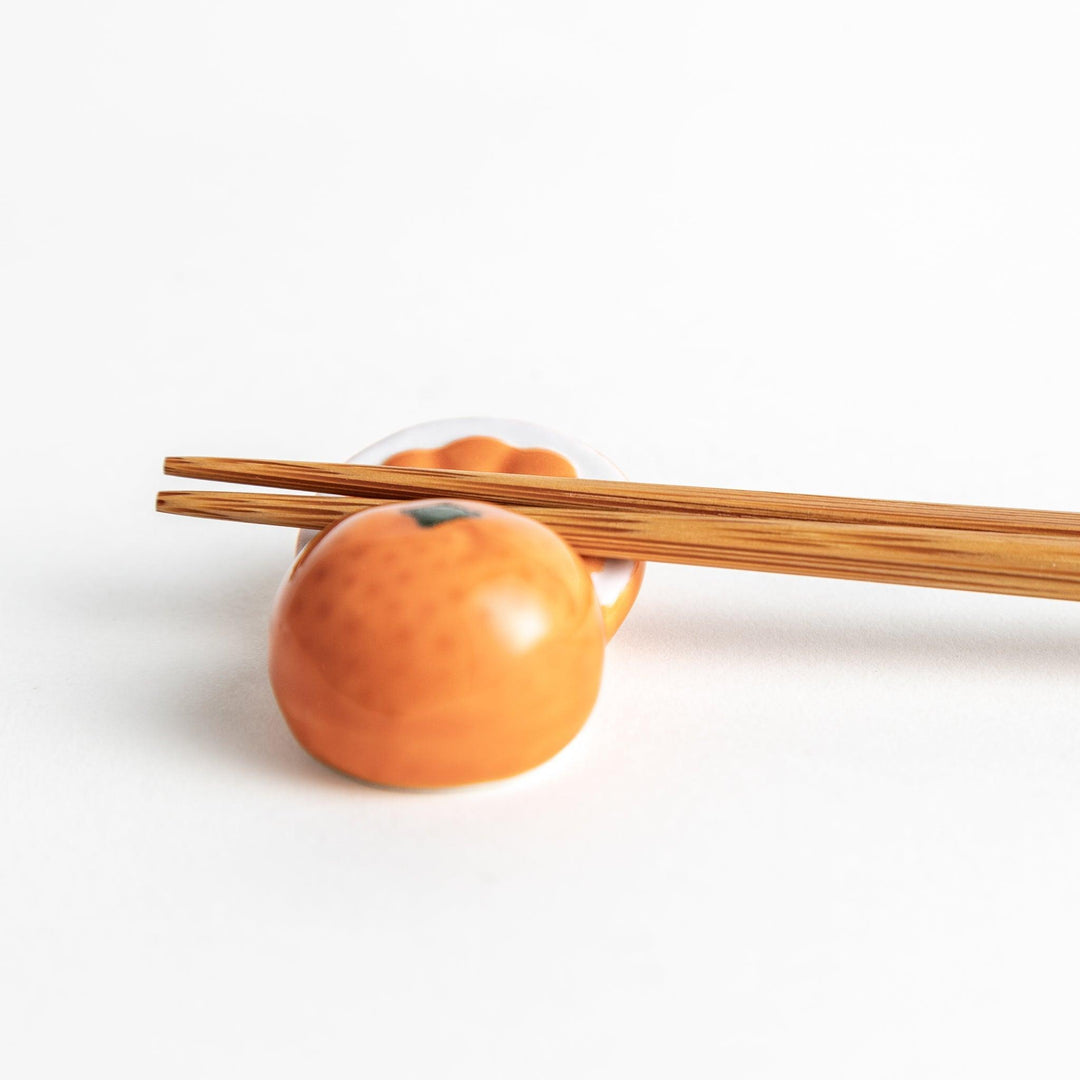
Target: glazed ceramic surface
pixel 436 643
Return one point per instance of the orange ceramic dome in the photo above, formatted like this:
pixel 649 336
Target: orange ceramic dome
pixel 434 643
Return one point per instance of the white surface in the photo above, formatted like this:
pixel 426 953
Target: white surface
pixel 812 828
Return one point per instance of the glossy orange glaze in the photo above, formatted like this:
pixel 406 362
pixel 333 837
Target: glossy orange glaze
pixel 434 643
pixel 482 453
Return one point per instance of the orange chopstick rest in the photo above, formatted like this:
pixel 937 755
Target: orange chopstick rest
pixel 435 643
pixel 447 642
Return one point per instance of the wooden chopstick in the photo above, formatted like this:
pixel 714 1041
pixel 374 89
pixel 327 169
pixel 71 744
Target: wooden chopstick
pixel 975 560
pixel 389 482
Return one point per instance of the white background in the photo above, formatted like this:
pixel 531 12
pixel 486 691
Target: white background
pixel 812 828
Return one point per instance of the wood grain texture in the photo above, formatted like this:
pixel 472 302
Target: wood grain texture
pixel 937 557
pixel 386 482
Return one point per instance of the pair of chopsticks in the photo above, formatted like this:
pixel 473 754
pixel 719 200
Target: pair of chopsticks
pixel 979 549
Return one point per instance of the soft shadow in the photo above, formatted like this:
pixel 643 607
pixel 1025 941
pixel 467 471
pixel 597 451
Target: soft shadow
pixel 204 686
pixel 1006 644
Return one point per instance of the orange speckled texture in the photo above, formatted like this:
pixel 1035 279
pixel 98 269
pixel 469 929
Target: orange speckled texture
pixel 429 655
pixel 482 453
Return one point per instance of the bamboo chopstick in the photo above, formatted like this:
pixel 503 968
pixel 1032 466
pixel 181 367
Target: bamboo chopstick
pixel 389 482
pixel 938 557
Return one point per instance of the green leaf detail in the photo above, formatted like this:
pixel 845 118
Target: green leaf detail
pixel 436 513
